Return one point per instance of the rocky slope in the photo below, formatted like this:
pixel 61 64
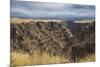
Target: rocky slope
pixel 52 37
pixel 82 28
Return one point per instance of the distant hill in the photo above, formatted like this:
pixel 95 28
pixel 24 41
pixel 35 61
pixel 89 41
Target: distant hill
pixel 56 18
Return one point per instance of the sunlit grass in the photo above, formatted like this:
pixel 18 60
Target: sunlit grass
pixel 18 59
pixel 20 20
pixel 28 20
pixel 89 58
pixel 44 58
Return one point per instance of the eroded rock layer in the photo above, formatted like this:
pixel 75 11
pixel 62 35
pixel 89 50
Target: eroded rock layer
pixel 51 37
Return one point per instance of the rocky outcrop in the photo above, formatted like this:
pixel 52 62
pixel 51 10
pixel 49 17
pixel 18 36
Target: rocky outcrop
pixel 55 38
pixel 81 30
pixel 51 37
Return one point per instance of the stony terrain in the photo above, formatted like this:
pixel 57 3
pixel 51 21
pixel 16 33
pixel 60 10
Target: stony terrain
pixel 53 38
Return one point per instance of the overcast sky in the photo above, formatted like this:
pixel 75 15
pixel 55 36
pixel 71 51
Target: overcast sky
pixel 50 10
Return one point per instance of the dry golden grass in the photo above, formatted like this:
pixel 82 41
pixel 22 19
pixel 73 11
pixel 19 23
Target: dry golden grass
pixel 21 20
pixel 44 58
pixel 89 58
pixel 19 59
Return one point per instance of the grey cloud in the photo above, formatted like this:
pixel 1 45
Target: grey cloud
pixel 37 9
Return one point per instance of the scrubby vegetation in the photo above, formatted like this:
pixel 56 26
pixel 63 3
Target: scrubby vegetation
pixel 44 58
pixel 21 59
pixel 37 42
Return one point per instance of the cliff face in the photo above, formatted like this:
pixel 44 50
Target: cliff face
pixel 51 37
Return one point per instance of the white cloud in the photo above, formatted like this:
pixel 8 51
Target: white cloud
pixel 37 9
